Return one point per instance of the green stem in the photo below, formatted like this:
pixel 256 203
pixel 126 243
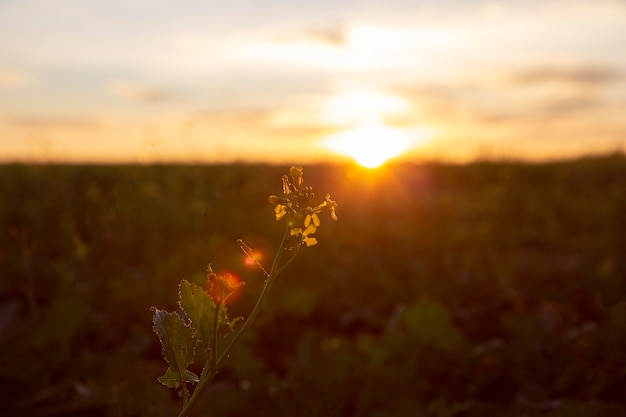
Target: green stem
pixel 213 353
pixel 185 393
pixel 211 367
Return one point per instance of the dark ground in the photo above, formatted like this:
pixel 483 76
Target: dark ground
pixel 488 289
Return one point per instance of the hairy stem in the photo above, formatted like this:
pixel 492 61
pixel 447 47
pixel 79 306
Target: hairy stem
pixel 213 352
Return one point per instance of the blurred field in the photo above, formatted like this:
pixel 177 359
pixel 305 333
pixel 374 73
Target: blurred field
pixel 489 289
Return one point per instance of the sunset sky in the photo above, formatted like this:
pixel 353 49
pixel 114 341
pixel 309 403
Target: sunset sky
pixel 289 81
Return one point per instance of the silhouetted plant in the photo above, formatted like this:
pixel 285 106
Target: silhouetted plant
pixel 203 321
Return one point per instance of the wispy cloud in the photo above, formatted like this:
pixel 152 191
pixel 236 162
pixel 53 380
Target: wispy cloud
pixel 13 78
pixel 139 93
pixel 333 34
pixel 43 122
pixel 579 75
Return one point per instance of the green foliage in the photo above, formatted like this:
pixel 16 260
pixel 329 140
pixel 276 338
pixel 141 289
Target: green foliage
pixel 200 309
pixel 196 327
pixel 206 311
pixel 178 342
pixel 526 260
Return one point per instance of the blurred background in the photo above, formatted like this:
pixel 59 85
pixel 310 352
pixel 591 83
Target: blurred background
pixel 475 148
pixel 483 289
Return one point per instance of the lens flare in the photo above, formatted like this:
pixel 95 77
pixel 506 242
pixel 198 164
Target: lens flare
pixel 253 259
pixel 225 287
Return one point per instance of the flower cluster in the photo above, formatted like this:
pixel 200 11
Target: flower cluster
pixel 294 206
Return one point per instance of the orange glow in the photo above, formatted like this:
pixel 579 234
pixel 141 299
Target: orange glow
pixel 251 261
pixel 363 107
pixel 371 146
pixel 280 84
pixel 225 284
pixel 368 140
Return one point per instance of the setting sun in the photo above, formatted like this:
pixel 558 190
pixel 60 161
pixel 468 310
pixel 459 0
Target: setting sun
pixel 365 137
pixel 370 146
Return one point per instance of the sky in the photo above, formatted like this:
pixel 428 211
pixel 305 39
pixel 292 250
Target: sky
pixel 296 81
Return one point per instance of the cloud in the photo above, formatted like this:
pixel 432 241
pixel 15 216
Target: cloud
pixel 253 132
pixel 335 35
pixel 523 94
pixel 256 122
pixel 537 117
pixel 139 93
pixel 583 75
pixel 12 78
pixel 230 118
pixel 53 122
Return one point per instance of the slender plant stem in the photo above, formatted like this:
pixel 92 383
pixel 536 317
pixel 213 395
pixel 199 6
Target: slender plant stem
pixel 211 367
pixel 185 393
pixel 213 353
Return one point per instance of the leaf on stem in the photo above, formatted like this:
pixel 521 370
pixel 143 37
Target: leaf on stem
pixel 172 378
pixel 199 308
pixel 177 340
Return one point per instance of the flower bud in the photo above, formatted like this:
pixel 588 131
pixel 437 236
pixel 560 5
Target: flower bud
pixel 296 175
pixel 274 199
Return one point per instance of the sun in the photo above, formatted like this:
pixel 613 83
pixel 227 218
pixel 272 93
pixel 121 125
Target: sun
pixel 370 146
pixel 365 135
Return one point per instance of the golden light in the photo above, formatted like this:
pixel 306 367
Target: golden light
pixel 366 138
pixel 226 282
pixel 362 107
pixel 371 146
pixel 252 259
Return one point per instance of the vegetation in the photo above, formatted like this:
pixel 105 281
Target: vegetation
pixel 488 289
pixel 203 319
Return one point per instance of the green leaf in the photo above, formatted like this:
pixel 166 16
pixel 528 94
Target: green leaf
pixel 172 378
pixel 177 340
pixel 200 309
pixel 225 326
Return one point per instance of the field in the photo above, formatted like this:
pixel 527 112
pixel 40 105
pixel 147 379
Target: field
pixel 487 289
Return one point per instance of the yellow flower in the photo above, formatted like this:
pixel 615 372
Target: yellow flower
pixel 333 205
pixel 294 205
pixel 311 222
pixel 280 211
pixel 327 204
